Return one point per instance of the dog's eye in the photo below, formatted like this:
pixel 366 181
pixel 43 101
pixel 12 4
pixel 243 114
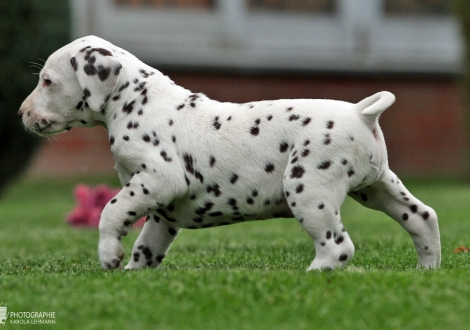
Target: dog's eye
pixel 47 82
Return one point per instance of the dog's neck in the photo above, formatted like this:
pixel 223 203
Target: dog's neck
pixel 140 94
pixel 143 107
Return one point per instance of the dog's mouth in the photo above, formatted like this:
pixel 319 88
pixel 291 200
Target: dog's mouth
pixel 44 133
pixel 48 128
pixel 53 127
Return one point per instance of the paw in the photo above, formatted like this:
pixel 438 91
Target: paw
pixel 110 253
pixel 428 266
pixel 330 263
pixel 133 264
pixel 429 263
pixel 320 269
pixel 429 257
pixel 142 257
pixel 129 266
pixel 320 266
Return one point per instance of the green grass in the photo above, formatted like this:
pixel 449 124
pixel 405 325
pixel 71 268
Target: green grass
pixel 245 276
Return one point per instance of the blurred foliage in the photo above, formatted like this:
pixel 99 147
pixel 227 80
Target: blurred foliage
pixel 30 30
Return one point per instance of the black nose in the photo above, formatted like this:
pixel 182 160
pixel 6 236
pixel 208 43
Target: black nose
pixel 20 113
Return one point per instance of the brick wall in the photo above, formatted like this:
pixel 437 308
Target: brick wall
pixel 424 129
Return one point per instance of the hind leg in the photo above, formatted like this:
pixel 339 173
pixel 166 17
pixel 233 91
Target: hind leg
pixel 390 196
pixel 317 207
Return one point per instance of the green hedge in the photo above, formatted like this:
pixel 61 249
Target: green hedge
pixel 30 30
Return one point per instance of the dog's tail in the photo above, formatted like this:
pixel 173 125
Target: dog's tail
pixel 371 107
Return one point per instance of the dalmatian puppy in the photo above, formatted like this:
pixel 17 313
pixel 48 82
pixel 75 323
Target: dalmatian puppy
pixel 186 161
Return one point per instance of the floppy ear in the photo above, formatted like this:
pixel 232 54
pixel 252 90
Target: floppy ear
pixel 97 71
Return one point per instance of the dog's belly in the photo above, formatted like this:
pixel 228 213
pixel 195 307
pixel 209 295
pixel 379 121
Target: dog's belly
pixel 235 191
pixel 204 213
pixel 223 203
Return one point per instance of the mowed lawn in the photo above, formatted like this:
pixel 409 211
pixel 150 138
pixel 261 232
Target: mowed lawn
pixel 244 276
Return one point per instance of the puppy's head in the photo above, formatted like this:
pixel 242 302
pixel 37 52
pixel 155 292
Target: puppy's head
pixel 74 87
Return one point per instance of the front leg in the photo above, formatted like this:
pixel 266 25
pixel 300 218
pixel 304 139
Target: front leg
pixel 116 220
pixel 153 243
pixel 136 199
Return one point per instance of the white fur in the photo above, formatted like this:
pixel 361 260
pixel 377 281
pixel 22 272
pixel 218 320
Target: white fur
pixel 188 161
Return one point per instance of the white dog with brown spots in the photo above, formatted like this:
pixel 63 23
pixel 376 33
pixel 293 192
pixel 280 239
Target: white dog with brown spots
pixel 186 161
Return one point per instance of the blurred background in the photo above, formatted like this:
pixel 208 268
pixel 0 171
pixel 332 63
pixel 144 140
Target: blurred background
pixel 248 50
